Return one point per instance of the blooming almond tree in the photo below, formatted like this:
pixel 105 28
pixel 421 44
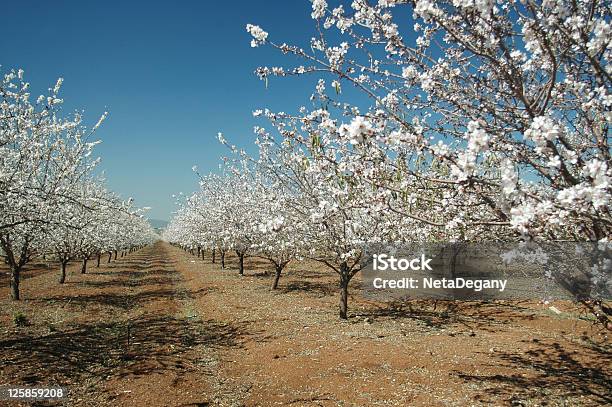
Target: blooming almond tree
pixel 332 208
pixel 279 236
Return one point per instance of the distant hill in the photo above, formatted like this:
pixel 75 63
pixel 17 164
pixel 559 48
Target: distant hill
pixel 158 223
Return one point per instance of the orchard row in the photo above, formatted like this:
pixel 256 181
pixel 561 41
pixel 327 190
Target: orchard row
pixel 52 204
pixel 431 121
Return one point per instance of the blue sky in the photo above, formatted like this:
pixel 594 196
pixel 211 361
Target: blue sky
pixel 171 75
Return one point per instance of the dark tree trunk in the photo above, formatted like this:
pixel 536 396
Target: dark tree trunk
pixel 199 251
pixel 15 271
pixel 98 260
pixel 222 259
pixel 214 255
pixel 203 254
pixel 115 254
pixel 240 262
pixel 277 274
pixel 84 266
pixel 455 251
pixel 110 257
pixel 344 281
pixel 62 278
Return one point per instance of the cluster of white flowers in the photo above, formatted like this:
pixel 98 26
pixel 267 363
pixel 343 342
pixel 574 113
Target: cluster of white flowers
pixel 427 81
pixel 478 139
pixel 390 100
pixel 410 72
pixel 271 225
pixel 357 131
pixel 318 9
pixel 595 192
pixel 599 172
pixel 465 165
pixel 259 35
pixel 542 130
pixel 484 7
pixel 426 9
pixel 342 23
pixel 335 55
pixel 602 36
pixel 509 178
pixel 522 216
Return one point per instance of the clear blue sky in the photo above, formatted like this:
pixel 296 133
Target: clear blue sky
pixel 171 75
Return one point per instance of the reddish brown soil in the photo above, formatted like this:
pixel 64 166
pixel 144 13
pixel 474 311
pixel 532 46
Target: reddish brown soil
pixel 161 327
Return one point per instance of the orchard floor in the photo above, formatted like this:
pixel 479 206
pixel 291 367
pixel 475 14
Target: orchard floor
pixel 161 327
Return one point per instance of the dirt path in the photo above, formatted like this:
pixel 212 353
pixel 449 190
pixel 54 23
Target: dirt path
pixel 161 327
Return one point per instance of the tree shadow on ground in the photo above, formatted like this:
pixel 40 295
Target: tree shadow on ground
pixel 135 274
pixel 320 289
pixel 139 347
pixel 160 272
pixel 141 267
pixel 125 282
pixel 549 372
pixel 118 300
pixel 483 316
pixel 29 271
pixel 261 274
pixel 431 317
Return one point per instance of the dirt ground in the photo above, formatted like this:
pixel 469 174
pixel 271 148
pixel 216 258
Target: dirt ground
pixel 161 327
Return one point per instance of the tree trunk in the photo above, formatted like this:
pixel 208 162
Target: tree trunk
pixel 203 254
pixel 344 281
pixel 98 261
pixel 240 262
pixel 115 254
pixel 455 251
pixel 84 266
pixel 214 254
pixel 199 251
pixel 62 278
pixel 222 259
pixel 15 271
pixel 277 275
pixel 110 257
